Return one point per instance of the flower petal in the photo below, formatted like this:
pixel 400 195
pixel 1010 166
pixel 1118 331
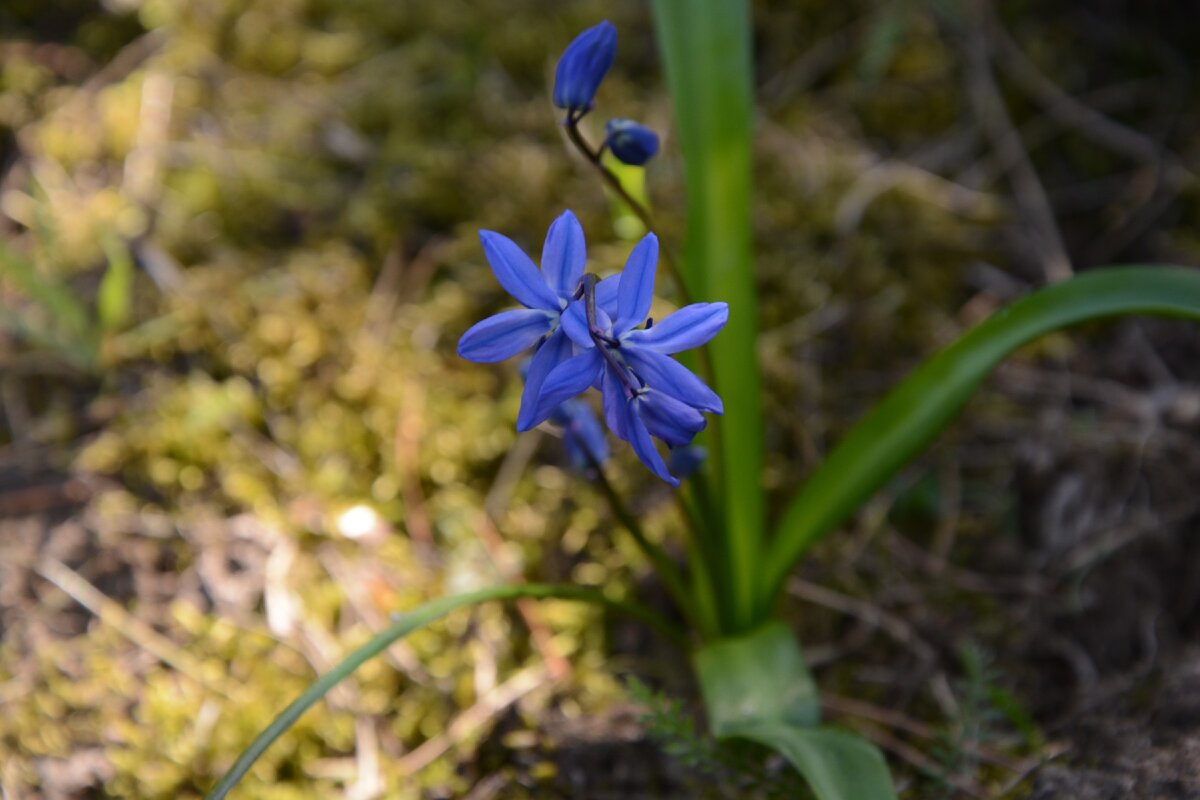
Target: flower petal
pixel 670 377
pixel 614 399
pixel 690 326
pixel 553 352
pixel 636 290
pixel 574 322
pixel 503 335
pixel 606 294
pixel 565 381
pixel 516 272
pixel 564 255
pixel 666 418
pixel 643 445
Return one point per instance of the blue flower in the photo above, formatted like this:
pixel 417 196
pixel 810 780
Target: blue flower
pixel 582 434
pixel 646 392
pixel 545 295
pixel 685 461
pixel 630 142
pixel 583 65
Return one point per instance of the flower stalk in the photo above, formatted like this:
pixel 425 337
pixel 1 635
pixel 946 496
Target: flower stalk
pixel 593 157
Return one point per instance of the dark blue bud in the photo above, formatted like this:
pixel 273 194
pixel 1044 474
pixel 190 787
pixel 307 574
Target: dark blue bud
pixel 583 65
pixel 630 142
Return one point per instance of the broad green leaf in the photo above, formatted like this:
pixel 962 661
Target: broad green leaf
pixel 758 687
pixel 897 429
pixel 757 678
pixel 706 47
pixel 838 765
pixel 405 624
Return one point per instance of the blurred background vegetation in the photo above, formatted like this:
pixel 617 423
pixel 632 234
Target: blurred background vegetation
pixel 238 244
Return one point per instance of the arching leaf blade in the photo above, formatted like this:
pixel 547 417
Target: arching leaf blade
pixel 908 418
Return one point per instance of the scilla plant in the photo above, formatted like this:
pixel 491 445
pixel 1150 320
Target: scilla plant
pixel 588 333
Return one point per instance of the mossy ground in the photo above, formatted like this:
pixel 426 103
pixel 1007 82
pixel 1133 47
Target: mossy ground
pixel 300 184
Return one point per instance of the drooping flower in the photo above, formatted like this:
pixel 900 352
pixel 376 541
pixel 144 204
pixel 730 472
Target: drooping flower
pixel 685 461
pixel 545 295
pixel 583 66
pixel 646 392
pixel 631 142
pixel 582 435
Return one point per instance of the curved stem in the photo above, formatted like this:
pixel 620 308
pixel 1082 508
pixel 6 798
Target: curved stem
pixel 402 626
pixel 614 183
pixel 666 570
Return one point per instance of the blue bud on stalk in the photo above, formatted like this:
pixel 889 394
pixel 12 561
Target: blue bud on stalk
pixel 583 65
pixel 630 142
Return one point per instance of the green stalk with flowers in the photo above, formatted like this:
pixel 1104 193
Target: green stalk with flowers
pixel 586 332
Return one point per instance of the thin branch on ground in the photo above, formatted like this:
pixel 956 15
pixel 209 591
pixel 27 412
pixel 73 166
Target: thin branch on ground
pixel 135 630
pixel 985 98
pixel 470 721
pixel 1077 115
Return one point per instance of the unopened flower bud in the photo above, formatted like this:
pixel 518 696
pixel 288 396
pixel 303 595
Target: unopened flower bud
pixel 630 142
pixel 583 65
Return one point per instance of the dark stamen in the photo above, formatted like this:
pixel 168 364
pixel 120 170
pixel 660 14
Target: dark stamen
pixel 604 343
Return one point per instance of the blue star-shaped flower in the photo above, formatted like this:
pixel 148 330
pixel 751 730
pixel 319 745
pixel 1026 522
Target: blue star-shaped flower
pixel 646 392
pixel 546 294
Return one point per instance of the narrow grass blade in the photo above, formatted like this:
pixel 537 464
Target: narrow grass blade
pixel 53 296
pixel 404 625
pixel 919 408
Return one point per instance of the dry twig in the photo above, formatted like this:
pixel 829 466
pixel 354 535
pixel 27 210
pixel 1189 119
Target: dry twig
pixel 471 720
pixel 984 96
pixel 110 613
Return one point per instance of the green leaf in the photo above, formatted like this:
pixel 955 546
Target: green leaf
pixel 897 429
pixel 838 765
pixel 706 47
pixel 114 298
pixel 758 687
pixel 53 296
pixel 756 678
pixel 405 624
pixel 65 334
